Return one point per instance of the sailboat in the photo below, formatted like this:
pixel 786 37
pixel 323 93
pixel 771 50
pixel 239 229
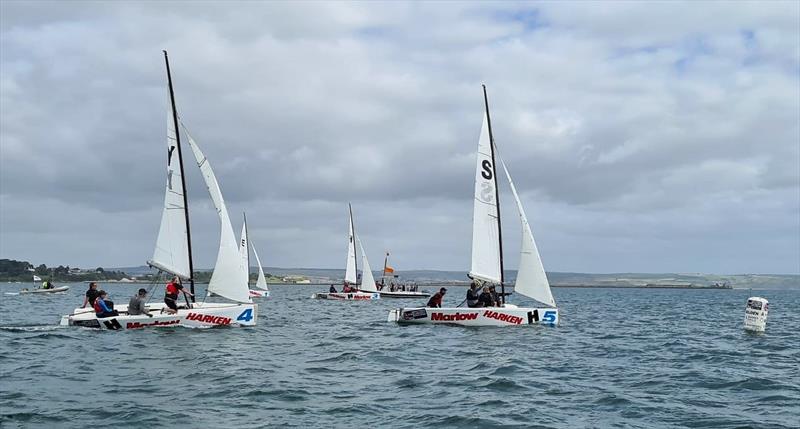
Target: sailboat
pixel 367 290
pixel 173 253
pixel 386 289
pixel 487 256
pixel 261 290
pixel 43 289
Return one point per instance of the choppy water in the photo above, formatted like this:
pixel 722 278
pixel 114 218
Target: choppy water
pixel 620 358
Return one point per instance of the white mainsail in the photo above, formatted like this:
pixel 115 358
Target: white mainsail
pixel 531 278
pixel 171 253
pixel 367 280
pixel 244 248
pixel 229 279
pixel 261 283
pixel 485 232
pixel 350 272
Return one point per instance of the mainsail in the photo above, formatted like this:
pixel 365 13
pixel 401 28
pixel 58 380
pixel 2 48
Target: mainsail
pixel 367 280
pixel 485 225
pixel 350 272
pixel 229 279
pixel 171 253
pixel 531 278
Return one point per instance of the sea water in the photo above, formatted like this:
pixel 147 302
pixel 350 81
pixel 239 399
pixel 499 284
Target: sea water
pixel 639 358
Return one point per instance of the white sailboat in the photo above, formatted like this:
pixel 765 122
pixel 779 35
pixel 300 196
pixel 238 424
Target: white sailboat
pixel 173 254
pixel 261 290
pixel 391 290
pixel 487 257
pixel 367 289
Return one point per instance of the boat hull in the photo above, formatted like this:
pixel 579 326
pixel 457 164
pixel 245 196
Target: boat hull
pixel 36 291
pixel 488 316
pixel 201 315
pixel 404 295
pixel 352 296
pixel 258 293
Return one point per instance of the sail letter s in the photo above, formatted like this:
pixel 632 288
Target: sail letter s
pixel 487 169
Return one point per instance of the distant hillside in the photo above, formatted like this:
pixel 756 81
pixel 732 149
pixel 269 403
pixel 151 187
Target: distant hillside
pixel 739 281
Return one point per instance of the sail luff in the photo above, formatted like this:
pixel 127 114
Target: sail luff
pixel 497 197
pixel 531 277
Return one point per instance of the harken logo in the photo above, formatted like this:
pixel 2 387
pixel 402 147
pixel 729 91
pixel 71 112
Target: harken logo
pixel 207 318
pixel 516 320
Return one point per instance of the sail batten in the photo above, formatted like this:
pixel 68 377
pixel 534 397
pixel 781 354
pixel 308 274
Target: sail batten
pixel 531 277
pixel 230 277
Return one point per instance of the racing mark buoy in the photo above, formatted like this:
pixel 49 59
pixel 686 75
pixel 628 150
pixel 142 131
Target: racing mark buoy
pixel 755 314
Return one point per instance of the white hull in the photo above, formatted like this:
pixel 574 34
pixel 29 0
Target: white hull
pixel 404 294
pixel 201 315
pixel 352 296
pixel 258 293
pixel 465 316
pixel 54 290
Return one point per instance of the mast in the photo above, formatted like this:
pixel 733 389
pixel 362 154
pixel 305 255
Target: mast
pixel 353 237
pixel 183 177
pixel 247 244
pixel 385 263
pixel 497 198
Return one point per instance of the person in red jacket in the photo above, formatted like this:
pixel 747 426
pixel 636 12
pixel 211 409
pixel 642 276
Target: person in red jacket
pixel 436 299
pixel 171 296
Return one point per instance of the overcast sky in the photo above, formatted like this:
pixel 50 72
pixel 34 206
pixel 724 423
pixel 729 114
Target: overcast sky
pixel 643 137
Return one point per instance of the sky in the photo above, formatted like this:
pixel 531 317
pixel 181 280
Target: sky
pixel 642 136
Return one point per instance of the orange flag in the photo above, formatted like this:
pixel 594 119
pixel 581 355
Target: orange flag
pixel 388 269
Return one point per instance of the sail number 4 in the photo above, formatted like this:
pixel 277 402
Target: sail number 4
pixel 246 315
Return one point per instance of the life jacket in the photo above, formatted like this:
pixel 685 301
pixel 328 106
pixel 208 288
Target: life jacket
pixel 98 308
pixel 172 289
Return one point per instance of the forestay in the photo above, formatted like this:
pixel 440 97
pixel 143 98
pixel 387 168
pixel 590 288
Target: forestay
pixel 350 272
pixel 229 279
pixel 171 253
pixel 485 227
pixel 367 280
pixel 531 278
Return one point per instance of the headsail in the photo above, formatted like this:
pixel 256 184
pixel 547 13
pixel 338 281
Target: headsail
pixel 229 279
pixel 485 227
pixel 367 280
pixel 171 253
pixel 261 283
pixel 531 278
pixel 350 272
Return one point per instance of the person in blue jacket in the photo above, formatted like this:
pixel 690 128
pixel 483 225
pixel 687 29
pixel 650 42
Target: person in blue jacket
pixel 103 308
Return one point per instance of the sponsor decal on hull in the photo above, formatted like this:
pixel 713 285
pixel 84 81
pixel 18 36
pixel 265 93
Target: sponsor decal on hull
pixel 419 313
pixel 138 325
pixel 514 320
pixel 456 317
pixel 207 318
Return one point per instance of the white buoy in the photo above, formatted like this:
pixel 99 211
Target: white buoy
pixel 755 314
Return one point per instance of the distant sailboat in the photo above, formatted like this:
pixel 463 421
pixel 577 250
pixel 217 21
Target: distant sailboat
pixel 173 253
pixel 487 256
pixel 367 289
pixel 261 290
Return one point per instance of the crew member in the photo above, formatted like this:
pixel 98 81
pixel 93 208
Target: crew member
pixel 332 289
pixel 137 306
pixel 486 299
pixel 103 309
pixel 171 296
pixel 436 299
pixel 495 296
pixel 91 295
pixel 472 295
